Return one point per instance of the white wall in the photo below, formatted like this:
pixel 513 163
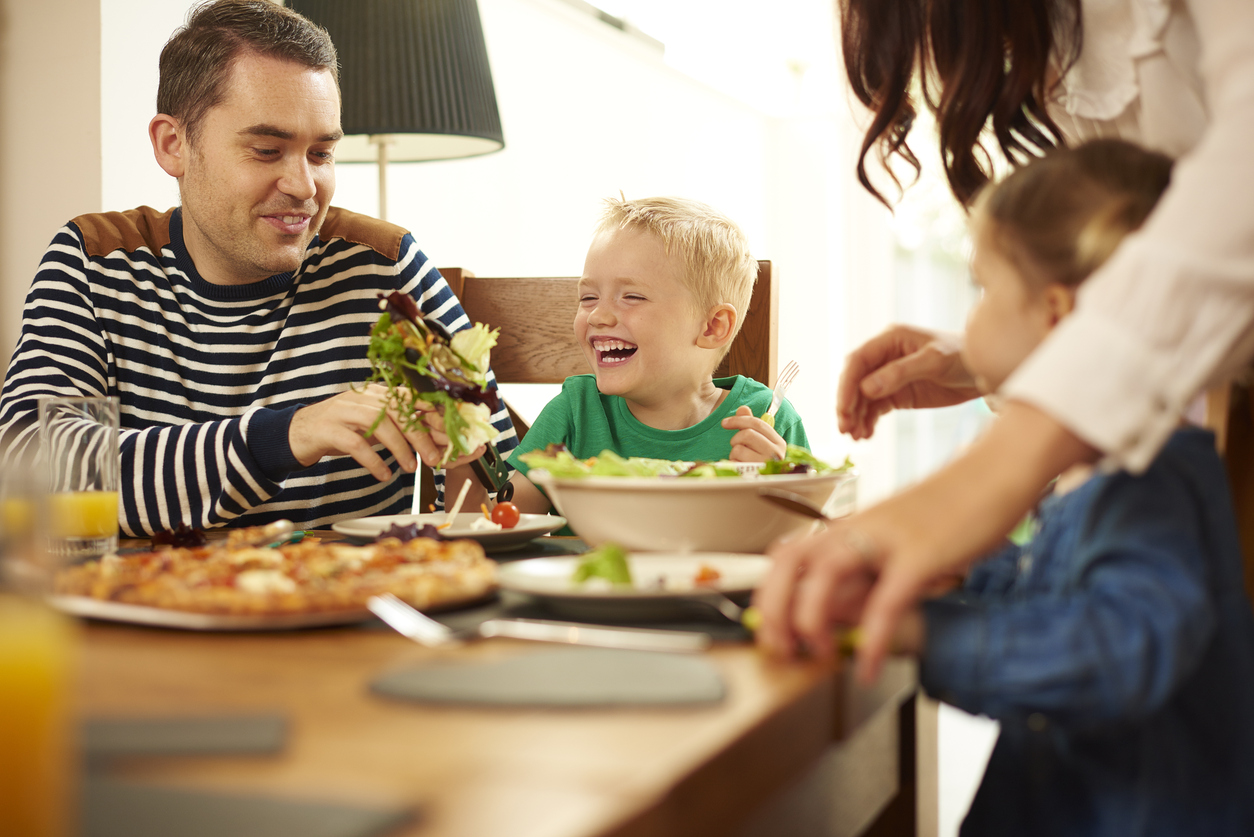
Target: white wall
pixel 50 159
pixel 132 33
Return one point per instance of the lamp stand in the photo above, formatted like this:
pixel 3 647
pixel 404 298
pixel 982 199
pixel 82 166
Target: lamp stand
pixel 383 141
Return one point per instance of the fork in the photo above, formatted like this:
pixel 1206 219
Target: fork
pixel 781 386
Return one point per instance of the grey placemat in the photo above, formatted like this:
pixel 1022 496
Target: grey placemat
pixel 122 809
pixel 561 677
pixel 104 738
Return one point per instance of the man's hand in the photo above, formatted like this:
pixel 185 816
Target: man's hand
pixel 757 441
pixel 337 426
pixel 903 368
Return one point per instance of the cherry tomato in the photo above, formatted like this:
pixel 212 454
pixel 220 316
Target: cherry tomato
pixel 506 514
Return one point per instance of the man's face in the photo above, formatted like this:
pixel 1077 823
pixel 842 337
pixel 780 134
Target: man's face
pixel 260 176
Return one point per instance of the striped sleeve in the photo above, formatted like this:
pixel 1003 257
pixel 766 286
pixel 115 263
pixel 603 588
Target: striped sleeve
pixel 201 474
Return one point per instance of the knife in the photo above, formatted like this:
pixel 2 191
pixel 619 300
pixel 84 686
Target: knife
pixel 427 631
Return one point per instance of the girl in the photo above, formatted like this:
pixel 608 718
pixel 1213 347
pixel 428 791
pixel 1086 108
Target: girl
pixel 1117 647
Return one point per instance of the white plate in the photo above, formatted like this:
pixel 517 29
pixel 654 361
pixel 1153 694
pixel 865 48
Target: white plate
pixel 163 618
pixel 655 575
pixel 158 617
pixel 530 527
pixel 663 588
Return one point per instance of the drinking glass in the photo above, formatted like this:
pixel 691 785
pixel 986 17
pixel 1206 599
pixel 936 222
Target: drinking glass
pixel 37 651
pixel 79 446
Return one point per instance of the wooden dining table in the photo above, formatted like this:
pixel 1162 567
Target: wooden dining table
pixel 793 747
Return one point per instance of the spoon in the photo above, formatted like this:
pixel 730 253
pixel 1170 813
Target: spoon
pixel 793 502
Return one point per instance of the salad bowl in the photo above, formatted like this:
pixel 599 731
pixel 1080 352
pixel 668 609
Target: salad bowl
pixel 668 513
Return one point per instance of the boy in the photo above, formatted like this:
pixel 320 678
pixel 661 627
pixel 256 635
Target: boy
pixel 664 289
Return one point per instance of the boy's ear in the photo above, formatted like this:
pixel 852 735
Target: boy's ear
pixel 720 324
pixel 169 145
pixel 1059 301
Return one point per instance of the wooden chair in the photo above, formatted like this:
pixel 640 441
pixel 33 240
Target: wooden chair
pixel 537 343
pixel 1230 413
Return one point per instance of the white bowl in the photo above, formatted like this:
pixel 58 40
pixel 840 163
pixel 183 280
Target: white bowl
pixel 672 514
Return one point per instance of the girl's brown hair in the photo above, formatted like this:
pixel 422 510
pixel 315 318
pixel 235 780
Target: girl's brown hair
pixel 1060 217
pixel 985 64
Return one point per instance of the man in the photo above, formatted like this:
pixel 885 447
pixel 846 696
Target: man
pixel 234 328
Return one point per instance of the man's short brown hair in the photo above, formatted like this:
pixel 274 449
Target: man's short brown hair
pixel 196 62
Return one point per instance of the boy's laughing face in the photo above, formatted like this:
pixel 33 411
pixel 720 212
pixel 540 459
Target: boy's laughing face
pixel 637 322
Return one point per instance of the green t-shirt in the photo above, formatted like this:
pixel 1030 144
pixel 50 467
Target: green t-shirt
pixel 587 422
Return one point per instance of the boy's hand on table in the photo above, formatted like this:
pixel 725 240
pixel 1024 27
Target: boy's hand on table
pixel 756 440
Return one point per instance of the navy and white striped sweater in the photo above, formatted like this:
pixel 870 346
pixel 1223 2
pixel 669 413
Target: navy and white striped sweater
pixel 210 375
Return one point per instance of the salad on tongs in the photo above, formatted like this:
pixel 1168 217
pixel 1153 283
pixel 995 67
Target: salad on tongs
pixel 423 366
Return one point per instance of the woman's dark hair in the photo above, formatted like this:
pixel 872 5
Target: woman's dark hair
pixel 981 63
pixel 196 62
pixel 1060 217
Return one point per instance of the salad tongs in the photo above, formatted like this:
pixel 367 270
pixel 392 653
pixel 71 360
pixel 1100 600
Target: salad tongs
pixel 426 631
pixel 490 469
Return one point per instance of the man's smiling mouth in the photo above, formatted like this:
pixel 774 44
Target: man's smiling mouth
pixel 290 224
pixel 611 350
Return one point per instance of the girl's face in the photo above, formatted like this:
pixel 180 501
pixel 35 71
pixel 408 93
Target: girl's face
pixel 1011 317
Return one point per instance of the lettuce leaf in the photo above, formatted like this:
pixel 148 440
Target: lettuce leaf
pixel 474 347
pixel 608 561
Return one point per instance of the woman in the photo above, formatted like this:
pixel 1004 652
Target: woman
pixel 1169 314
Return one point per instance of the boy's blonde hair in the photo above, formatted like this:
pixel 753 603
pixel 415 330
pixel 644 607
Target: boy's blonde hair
pixel 1060 217
pixel 718 266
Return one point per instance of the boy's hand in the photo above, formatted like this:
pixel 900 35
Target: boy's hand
pixel 757 441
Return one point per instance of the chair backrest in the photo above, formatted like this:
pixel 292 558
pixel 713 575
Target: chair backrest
pixel 537 342
pixel 1230 413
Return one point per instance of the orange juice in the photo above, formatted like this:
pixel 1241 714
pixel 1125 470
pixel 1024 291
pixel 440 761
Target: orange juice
pixel 84 514
pixel 35 744
pixel 17 516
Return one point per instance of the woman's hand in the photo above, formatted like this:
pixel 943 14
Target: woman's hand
pixel 903 368
pixel 756 440
pixel 873 567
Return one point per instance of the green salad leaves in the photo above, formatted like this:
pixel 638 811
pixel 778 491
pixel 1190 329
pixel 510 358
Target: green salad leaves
pixel 561 464
pixel 607 561
pixel 423 367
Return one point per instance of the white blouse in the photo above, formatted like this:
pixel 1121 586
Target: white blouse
pixel 1172 312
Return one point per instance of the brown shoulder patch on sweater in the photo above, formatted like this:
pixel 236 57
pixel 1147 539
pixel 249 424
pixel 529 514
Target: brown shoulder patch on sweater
pixel 134 229
pixel 380 236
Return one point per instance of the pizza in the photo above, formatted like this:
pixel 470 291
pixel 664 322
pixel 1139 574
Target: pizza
pixel 310 577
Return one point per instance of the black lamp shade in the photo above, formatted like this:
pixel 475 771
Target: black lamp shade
pixel 415 69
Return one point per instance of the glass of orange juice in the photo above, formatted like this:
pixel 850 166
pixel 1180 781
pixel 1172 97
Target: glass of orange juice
pixel 79 447
pixel 37 659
